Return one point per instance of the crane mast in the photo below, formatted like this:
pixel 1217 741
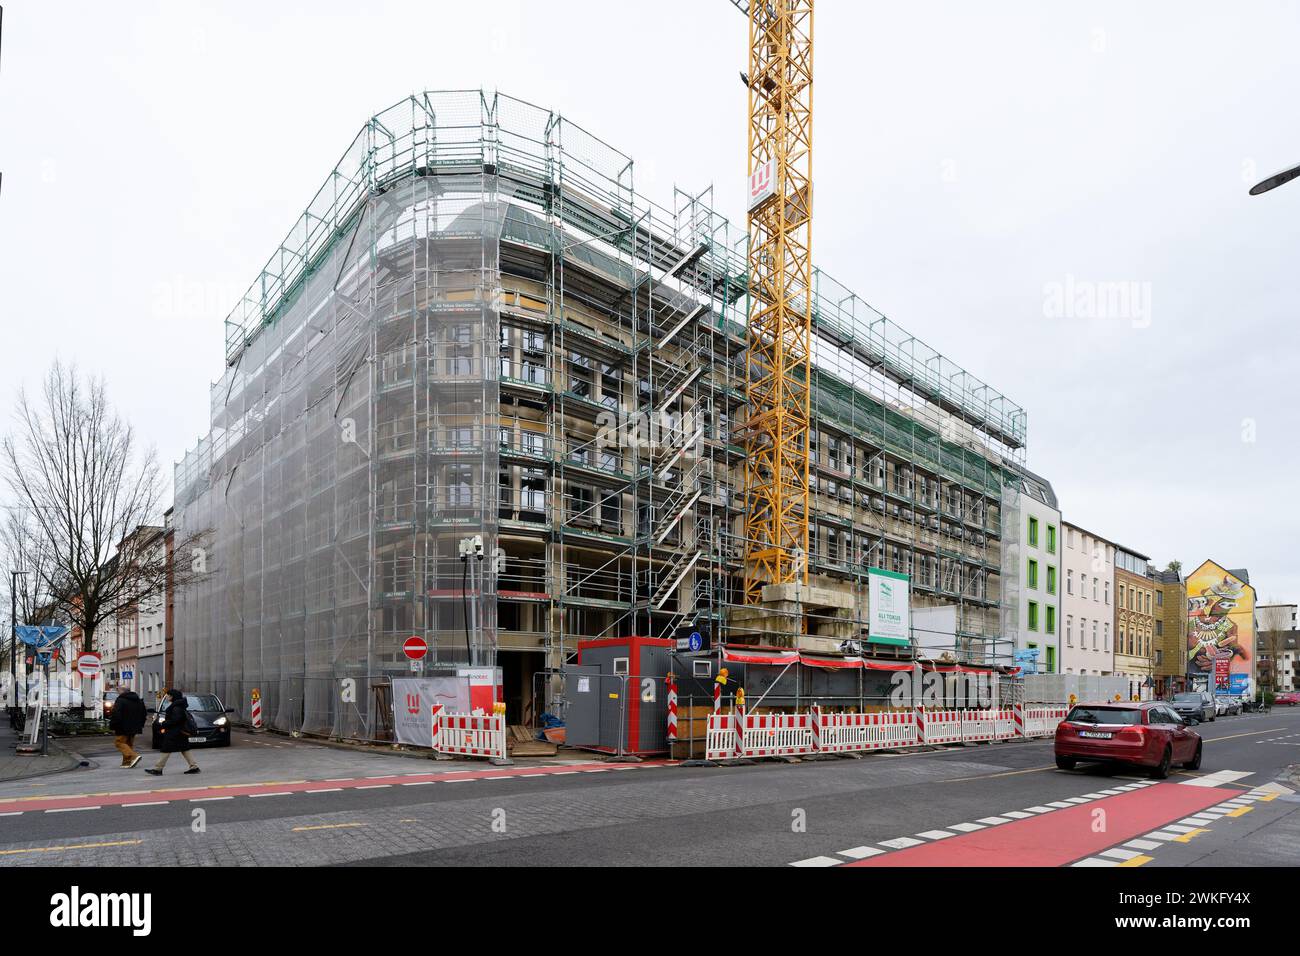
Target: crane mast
pixel 779 358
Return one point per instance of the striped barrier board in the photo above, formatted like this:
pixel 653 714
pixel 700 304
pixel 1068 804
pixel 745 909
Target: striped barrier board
pixel 979 725
pixel 470 735
pixel 941 727
pixel 776 735
pixel 1042 721
pixel 854 732
pixel 719 737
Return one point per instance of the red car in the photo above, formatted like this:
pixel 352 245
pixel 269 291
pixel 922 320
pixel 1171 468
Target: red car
pixel 1287 698
pixel 1148 734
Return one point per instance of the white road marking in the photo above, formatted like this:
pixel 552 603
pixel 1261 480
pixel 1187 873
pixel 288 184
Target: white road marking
pixel 1178 828
pixel 1162 835
pixel 1120 854
pixel 1217 779
pixel 1142 844
pixel 936 834
pixel 1060 804
pixel 1038 809
pixel 274 793
pixel 71 809
pixel 1017 814
pixel 818 861
pixel 1095 861
pixel 209 799
pixel 374 786
pixel 993 821
pixel 966 827
pixel 861 852
pixel 900 843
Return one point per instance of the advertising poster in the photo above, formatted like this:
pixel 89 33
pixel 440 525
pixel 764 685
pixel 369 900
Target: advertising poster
pixel 1220 629
pixel 889 604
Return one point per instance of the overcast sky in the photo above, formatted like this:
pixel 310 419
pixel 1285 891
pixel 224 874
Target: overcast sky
pixel 981 171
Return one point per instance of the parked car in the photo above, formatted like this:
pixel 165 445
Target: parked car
pixel 210 716
pixel 1149 734
pixel 1194 705
pixel 110 697
pixel 1225 706
pixel 1288 698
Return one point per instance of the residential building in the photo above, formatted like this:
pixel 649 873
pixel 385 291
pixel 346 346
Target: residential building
pixel 462 336
pixel 1088 566
pixel 1135 623
pixel 1221 645
pixel 1279 647
pixel 138 629
pixel 1171 632
pixel 1039 547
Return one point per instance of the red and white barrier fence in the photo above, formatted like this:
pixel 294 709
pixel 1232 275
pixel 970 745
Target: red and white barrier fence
pixel 852 733
pixel 977 725
pixel 941 727
pixel 779 735
pixel 470 735
pixel 1040 720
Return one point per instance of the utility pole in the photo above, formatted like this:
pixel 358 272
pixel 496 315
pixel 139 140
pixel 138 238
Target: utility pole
pixel 13 637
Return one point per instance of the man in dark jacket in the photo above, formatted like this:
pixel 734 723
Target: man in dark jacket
pixel 127 720
pixel 177 723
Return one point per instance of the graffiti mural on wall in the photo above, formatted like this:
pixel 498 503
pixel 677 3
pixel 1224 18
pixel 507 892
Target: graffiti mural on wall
pixel 1220 629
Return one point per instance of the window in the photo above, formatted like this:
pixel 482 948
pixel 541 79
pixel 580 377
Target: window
pixel 1051 579
pixel 1033 615
pixel 1051 539
pixel 1107 589
pixel 1069 580
pixel 1033 532
pixel 1094 589
pixel 1032 576
pixel 1069 630
pixel 1050 621
pixel 1051 655
pixel 1094 636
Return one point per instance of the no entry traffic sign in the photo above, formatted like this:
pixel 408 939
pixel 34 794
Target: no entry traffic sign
pixel 88 664
pixel 415 648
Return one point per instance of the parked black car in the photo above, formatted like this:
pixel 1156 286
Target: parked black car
pixel 1194 706
pixel 210 715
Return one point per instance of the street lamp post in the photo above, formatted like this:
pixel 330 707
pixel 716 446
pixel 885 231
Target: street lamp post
pixel 1277 179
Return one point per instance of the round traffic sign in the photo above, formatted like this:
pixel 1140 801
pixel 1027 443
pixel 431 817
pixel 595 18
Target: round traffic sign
pixel 415 648
pixel 88 664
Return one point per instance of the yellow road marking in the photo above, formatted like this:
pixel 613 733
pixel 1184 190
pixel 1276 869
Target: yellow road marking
pixel 329 826
pixel 1240 812
pixel 1267 797
pixel 1006 773
pixel 1189 836
pixel 1137 861
pixel 1253 733
pixel 72 846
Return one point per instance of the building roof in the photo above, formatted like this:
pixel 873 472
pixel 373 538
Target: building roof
pixel 1037 487
pixel 1128 550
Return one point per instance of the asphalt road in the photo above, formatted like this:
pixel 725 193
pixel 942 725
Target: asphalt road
pixel 270 802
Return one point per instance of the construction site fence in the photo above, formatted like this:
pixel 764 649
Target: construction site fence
pixel 468 735
pixel 736 735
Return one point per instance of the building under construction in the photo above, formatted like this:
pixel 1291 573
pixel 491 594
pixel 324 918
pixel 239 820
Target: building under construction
pixel 480 328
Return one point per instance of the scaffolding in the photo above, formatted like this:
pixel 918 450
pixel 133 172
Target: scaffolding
pixel 479 326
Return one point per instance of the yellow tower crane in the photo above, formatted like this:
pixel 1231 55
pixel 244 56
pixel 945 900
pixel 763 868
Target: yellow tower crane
pixel 779 360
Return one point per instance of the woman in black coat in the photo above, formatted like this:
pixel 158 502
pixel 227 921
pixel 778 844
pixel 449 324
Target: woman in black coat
pixel 175 728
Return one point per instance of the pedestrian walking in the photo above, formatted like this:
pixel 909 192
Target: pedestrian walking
pixel 176 723
pixel 127 720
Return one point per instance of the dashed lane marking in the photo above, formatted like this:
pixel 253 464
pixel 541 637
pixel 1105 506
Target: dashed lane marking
pixel 71 846
pixel 329 826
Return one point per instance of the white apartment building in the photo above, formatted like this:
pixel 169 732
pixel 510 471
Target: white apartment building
pixel 1037 553
pixel 1088 566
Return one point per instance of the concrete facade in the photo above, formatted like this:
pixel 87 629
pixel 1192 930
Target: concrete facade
pixel 1135 623
pixel 1088 563
pixel 1038 627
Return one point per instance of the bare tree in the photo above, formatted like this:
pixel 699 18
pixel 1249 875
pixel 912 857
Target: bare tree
pixel 1274 623
pixel 76 470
